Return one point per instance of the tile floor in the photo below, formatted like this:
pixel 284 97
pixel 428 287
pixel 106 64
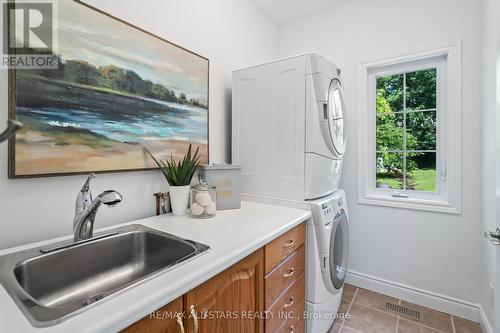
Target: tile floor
pixel 368 314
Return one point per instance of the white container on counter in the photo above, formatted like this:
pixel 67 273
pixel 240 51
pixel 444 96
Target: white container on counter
pixel 227 180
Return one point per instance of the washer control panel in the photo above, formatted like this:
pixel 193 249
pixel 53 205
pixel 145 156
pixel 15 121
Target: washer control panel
pixel 330 210
pixel 325 210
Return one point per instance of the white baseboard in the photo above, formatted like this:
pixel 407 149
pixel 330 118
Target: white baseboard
pixel 456 307
pixel 484 321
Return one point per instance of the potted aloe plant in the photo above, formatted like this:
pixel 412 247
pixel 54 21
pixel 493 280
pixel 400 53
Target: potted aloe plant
pixel 179 175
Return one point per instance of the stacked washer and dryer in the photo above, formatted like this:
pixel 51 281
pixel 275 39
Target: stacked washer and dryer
pixel 288 135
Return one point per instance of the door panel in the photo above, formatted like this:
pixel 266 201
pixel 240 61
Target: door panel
pixel 335 116
pixel 163 320
pixel 496 283
pixel 285 119
pixel 268 128
pixel 339 247
pixel 226 302
pixel 335 100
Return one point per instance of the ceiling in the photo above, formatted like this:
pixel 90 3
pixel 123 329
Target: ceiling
pixel 284 11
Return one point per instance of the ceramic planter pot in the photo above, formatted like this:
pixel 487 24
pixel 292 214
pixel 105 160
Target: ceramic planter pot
pixel 179 199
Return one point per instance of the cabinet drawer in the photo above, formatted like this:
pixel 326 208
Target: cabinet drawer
pixel 159 321
pixel 282 276
pixel 283 246
pixel 292 326
pixel 289 307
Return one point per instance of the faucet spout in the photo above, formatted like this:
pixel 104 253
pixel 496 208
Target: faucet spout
pixel 83 226
pixel 86 209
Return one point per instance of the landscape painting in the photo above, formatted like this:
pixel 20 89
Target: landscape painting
pixel 117 89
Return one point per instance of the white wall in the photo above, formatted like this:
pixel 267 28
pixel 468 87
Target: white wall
pixel 430 251
pixel 232 34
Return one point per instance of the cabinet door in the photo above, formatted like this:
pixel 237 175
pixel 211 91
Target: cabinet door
pixel 231 302
pixel 163 320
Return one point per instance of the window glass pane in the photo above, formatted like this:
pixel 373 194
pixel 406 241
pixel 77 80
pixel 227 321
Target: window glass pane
pixel 390 131
pixel 421 90
pixel 390 93
pixel 421 130
pixel 421 172
pixel 390 170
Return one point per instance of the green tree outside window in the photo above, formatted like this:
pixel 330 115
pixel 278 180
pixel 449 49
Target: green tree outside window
pixel 406 131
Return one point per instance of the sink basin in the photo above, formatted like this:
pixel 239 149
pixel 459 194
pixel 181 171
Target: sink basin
pixel 52 283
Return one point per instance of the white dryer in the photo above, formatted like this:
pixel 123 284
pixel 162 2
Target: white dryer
pixel 327 256
pixel 288 128
pixel 325 136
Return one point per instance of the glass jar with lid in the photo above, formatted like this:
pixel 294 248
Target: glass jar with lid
pixel 203 198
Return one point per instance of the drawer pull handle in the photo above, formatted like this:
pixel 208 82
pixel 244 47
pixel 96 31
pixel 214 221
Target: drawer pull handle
pixel 289 243
pixel 292 329
pixel 290 273
pixel 179 322
pixel 195 318
pixel 289 304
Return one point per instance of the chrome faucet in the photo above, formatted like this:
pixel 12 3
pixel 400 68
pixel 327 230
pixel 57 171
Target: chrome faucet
pixel 86 209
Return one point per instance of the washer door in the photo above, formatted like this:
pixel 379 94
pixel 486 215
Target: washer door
pixel 339 248
pixel 336 117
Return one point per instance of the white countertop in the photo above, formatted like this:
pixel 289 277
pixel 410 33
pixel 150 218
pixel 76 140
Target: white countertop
pixel 232 235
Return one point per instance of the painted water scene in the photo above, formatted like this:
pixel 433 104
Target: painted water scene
pixel 117 89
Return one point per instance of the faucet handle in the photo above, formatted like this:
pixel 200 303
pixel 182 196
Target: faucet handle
pixel 86 186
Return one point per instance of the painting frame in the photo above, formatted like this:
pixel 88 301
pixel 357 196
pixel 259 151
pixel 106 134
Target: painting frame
pixel 12 104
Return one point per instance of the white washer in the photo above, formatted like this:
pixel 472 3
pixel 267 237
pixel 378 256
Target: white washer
pixel 327 256
pixel 288 128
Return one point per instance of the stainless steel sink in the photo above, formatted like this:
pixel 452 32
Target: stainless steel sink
pixel 52 283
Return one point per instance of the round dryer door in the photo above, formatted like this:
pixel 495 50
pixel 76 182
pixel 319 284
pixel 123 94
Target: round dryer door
pixel 339 248
pixel 336 116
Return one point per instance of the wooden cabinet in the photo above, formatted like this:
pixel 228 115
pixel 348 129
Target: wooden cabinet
pixel 262 293
pixel 288 308
pixel 279 279
pixel 164 320
pixel 280 248
pixel 285 282
pixel 230 301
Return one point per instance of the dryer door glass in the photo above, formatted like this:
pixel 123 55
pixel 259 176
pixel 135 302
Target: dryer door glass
pixel 338 135
pixel 339 247
pixel 335 100
pixel 336 115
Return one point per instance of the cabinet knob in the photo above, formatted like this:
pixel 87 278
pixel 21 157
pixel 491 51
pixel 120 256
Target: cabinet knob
pixel 195 318
pixel 290 273
pixel 289 304
pixel 179 322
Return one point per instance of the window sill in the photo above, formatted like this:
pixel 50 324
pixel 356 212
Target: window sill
pixel 386 200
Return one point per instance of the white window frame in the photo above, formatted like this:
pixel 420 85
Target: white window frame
pixel 448 198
